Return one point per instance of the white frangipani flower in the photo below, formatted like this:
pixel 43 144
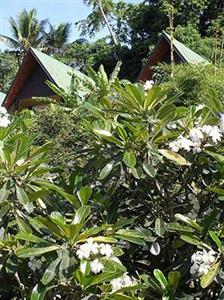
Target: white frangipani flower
pixel 106 249
pixel 181 143
pixel 171 126
pixel 34 264
pixel 196 135
pixel 148 85
pixel 121 282
pixel 84 251
pixel 4 121
pixel 96 266
pixel 93 248
pixel 213 132
pixel 201 262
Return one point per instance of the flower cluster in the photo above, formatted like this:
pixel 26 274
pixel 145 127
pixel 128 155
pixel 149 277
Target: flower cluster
pixel 201 262
pixel 4 117
pixel 93 251
pixel 197 136
pixel 121 282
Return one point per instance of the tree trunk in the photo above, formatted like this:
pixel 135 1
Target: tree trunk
pixel 113 36
pixel 171 21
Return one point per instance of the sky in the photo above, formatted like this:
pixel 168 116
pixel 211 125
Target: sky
pixel 57 11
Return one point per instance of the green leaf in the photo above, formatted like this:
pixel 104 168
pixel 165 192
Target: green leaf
pixel 216 156
pixel 23 198
pixel 39 292
pixel 208 278
pixel 119 296
pixel 148 169
pixel 137 172
pixel 174 278
pixel 64 265
pixel 81 215
pixel 129 159
pixel 85 267
pixel 30 238
pixel 177 158
pixel 50 226
pixel 176 227
pixel 106 170
pixel 28 252
pixel 188 221
pixel 194 240
pixel 216 239
pixel 111 271
pixel 50 272
pixel 161 279
pixel 4 208
pixel 84 194
pixel 209 221
pixel 130 236
pixel 71 198
pixel 22 225
pixel 217 191
pixel 4 193
pixel 159 227
pixel 89 232
pixel 108 136
pixel 104 239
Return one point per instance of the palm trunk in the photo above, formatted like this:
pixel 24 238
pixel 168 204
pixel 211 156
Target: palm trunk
pixel 171 23
pixel 113 36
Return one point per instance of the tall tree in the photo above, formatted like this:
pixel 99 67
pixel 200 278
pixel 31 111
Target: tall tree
pixel 102 9
pixel 26 31
pixel 57 37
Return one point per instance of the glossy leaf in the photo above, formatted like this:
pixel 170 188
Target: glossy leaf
pixel 159 227
pixel 176 157
pixel 129 159
pixel 161 279
pixel 28 252
pixel 106 170
pixel 148 169
pixel 50 272
pixel 208 278
pixel 84 194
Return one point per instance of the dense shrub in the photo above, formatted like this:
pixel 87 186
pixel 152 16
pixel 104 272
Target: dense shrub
pixel 191 83
pixel 138 214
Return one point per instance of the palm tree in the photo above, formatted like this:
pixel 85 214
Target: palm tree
pixel 26 31
pixel 104 7
pixel 57 37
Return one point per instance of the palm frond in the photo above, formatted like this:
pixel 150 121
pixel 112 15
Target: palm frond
pixel 12 43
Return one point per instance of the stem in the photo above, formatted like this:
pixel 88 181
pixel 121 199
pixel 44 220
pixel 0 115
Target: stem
pixel 21 286
pixel 107 23
pixel 171 23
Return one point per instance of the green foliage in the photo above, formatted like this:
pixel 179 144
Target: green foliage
pixel 8 70
pixel 191 83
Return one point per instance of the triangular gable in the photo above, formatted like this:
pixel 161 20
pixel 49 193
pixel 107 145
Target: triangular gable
pixel 188 55
pixel 57 72
pixel 162 49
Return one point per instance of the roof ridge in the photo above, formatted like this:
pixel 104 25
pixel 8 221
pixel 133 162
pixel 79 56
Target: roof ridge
pixel 187 53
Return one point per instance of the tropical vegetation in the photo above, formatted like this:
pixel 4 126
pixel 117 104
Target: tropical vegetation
pixel 116 192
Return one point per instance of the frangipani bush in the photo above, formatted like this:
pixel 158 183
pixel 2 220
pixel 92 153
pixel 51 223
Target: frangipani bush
pixel 139 215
